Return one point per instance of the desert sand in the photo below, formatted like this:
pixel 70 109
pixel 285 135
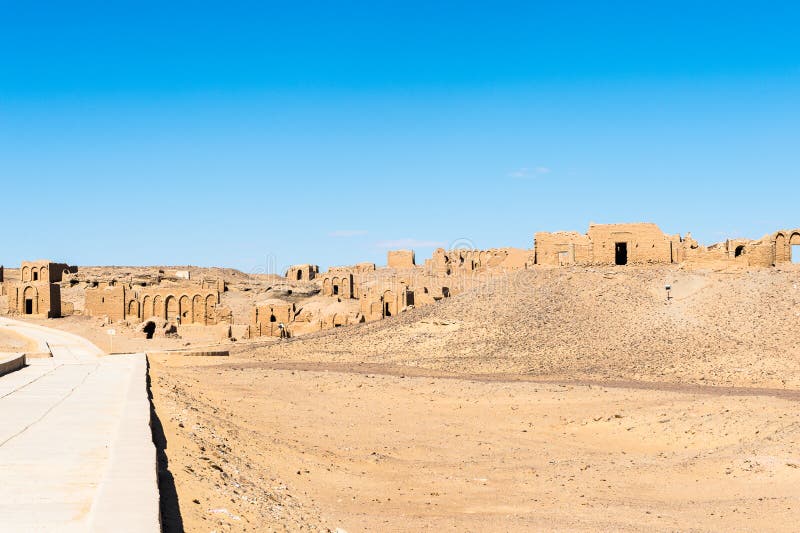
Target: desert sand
pixel 559 399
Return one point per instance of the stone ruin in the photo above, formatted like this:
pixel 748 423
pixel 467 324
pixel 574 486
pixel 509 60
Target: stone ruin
pixel 37 292
pixel 645 243
pixel 173 301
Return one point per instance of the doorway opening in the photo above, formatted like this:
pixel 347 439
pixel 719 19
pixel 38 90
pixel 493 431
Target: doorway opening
pixel 621 253
pixel 299 275
pixel 335 290
pixel 35 276
pixel 386 310
pixel 28 306
pixel 796 254
pixel 739 251
pixel 149 329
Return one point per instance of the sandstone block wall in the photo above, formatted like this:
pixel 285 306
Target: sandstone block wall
pixel 400 259
pixel 302 272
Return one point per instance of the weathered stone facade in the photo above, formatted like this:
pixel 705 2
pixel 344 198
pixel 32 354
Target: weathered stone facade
pixel 608 244
pixel 179 305
pixel 302 272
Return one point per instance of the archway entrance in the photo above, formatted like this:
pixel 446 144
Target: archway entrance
pixel 621 253
pixel 739 251
pixel 28 306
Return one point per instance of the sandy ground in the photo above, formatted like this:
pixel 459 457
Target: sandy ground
pixel 553 399
pixel 259 447
pixel 13 343
pixel 556 399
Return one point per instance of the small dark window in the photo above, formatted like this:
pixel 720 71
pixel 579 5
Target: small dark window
pixel 739 251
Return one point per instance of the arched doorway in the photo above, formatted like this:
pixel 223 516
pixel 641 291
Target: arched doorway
pixel 30 301
pixel 185 310
pixel 158 307
pixel 794 244
pixel 780 249
pixel 171 305
pixel 147 307
pixel 133 309
pixel 197 310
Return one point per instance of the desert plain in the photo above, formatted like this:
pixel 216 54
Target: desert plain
pixel 570 399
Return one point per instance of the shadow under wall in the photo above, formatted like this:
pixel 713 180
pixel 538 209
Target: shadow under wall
pixel 169 506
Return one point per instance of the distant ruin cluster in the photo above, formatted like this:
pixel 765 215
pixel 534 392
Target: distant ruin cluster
pixel 182 304
pixel 623 244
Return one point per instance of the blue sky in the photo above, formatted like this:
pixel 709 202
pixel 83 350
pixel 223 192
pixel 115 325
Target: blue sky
pixel 260 134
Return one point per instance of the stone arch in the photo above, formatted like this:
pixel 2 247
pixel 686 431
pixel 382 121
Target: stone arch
pixel 26 274
pixel 327 289
pixel 198 315
pixel 147 307
pixel 793 250
pixel 43 274
pixel 185 310
pixel 210 304
pixel 158 306
pixel 389 304
pixel 171 309
pixel 133 309
pixel 336 287
pixel 780 248
pixel 32 294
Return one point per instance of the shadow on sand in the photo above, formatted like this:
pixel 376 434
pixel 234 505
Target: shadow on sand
pixel 169 507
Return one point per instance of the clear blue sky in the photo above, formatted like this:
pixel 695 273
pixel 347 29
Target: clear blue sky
pixel 228 133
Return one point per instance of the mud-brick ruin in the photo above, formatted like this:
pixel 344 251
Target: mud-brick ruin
pixel 191 304
pixel 644 243
pixel 37 291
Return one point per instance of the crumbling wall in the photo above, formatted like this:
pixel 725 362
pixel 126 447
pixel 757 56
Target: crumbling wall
pixel 400 259
pixel 302 272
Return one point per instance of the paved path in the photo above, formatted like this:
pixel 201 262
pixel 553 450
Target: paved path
pixel 76 453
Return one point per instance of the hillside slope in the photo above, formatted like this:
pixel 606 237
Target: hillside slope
pixel 738 327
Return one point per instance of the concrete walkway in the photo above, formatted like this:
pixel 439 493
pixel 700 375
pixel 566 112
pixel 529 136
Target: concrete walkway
pixel 76 452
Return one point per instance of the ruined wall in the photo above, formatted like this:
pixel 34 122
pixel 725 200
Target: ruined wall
pixel 109 301
pixel 607 244
pixel 36 298
pixel 645 243
pixel 782 242
pixel 400 259
pixel 266 318
pixel 562 248
pixel 44 270
pixel 302 272
pixel 183 305
pixel 340 284
pixel 385 300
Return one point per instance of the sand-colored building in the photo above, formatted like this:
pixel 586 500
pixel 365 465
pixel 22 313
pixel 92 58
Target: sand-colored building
pixel 302 272
pixel 267 317
pixel 37 292
pixel 608 244
pixel 179 305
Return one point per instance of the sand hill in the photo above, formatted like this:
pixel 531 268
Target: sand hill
pixel 730 327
